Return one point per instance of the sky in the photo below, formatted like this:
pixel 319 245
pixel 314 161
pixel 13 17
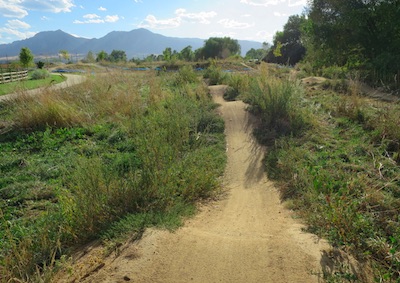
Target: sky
pixel 256 20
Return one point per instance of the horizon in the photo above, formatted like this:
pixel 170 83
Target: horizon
pixel 254 20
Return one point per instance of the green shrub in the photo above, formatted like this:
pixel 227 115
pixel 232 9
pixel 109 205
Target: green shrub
pixel 273 101
pixel 231 93
pixel 214 75
pixel 40 74
pixel 40 64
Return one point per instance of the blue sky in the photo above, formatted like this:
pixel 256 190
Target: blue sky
pixel 240 19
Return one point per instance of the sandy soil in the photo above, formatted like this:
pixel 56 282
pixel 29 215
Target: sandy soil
pixel 247 236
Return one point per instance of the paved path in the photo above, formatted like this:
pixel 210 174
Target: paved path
pixel 71 80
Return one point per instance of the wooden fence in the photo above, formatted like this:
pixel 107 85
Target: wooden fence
pixel 13 76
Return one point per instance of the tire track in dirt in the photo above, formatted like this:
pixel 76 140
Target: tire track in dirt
pixel 247 236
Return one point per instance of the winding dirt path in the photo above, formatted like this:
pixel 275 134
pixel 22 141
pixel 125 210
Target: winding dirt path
pixel 248 236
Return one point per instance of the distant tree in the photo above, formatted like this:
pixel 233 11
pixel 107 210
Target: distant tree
pixel 40 64
pixel 187 54
pixel 256 53
pixel 102 56
pixel 266 46
pixel 167 53
pixel 150 58
pixel 287 45
pixel 199 54
pixel 118 56
pixel 90 57
pixel 26 57
pixel 217 47
pixel 64 54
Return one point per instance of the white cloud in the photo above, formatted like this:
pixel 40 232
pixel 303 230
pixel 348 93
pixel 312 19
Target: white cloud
pixel 111 19
pixel 262 3
pixel 181 15
pixel 152 22
pixel 19 8
pixel 278 14
pixel 10 9
pixel 202 17
pixel 17 33
pixel 96 19
pixel 91 16
pixel 267 36
pixel 227 23
pixel 17 24
pixel 54 6
pixel 102 9
pixel 294 3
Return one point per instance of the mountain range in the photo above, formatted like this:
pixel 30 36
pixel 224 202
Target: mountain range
pixel 137 43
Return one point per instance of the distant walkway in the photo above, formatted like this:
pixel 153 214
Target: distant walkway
pixel 70 81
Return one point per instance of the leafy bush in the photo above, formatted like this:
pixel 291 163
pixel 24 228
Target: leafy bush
pixel 40 64
pixel 214 75
pixel 237 84
pixel 185 75
pixel 231 94
pixel 40 74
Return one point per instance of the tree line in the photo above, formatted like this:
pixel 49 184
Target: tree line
pixel 214 47
pixel 360 36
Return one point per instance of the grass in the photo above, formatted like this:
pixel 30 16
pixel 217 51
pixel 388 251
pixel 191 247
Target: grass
pixel 341 172
pixel 99 160
pixel 29 84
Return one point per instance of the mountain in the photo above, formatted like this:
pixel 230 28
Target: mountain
pixel 135 43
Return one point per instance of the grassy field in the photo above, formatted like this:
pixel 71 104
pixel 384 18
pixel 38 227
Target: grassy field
pixel 30 84
pixel 108 157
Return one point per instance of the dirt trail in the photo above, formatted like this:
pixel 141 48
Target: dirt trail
pixel 70 81
pixel 248 236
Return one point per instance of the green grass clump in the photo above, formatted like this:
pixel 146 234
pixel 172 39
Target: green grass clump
pixel 275 102
pixel 89 161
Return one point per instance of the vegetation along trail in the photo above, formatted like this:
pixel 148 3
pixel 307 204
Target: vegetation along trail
pixel 247 236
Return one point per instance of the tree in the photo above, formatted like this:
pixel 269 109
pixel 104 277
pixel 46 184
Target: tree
pixel 90 57
pixel 354 33
pixel 221 48
pixel 117 56
pixel 26 57
pixel 167 53
pixel 287 45
pixel 187 54
pixel 256 53
pixel 64 54
pixel 102 56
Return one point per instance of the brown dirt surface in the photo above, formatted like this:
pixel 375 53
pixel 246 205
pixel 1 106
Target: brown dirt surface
pixel 70 81
pixel 246 236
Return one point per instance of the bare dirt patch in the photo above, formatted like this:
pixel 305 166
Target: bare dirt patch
pixel 246 236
